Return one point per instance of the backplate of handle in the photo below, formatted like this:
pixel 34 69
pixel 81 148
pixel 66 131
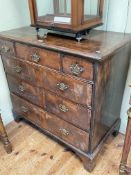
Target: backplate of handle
pixel 62 86
pixel 17 69
pixel 35 58
pixel 24 109
pixel 76 69
pixel 21 88
pixel 64 131
pixel 63 108
pixel 5 49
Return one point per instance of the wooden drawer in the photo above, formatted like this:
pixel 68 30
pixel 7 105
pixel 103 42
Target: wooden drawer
pixel 66 86
pixel 51 123
pixel 6 48
pixel 27 91
pixel 23 70
pixel 69 87
pixel 40 56
pixel 70 112
pixel 78 67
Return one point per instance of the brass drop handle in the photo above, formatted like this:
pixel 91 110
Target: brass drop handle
pixel 63 108
pixel 76 69
pixel 35 57
pixel 62 86
pixel 24 109
pixel 64 131
pixel 21 88
pixel 17 69
pixel 5 49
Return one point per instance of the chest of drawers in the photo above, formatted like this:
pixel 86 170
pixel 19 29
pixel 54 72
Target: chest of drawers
pixel 72 91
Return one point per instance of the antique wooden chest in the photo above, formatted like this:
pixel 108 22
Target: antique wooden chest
pixel 72 91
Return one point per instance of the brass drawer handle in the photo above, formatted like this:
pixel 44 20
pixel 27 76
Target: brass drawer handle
pixel 76 69
pixel 21 88
pixel 64 131
pixel 35 57
pixel 62 86
pixel 63 108
pixel 5 49
pixel 17 69
pixel 24 109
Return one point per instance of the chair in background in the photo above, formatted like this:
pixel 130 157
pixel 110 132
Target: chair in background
pixel 4 137
pixel 124 169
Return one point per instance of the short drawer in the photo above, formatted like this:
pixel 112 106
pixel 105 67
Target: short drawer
pixel 39 56
pixel 23 70
pixel 78 67
pixel 68 87
pixel 6 48
pixel 58 127
pixel 25 90
pixel 70 112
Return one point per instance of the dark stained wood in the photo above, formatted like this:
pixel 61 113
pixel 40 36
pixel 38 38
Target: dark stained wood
pixel 51 123
pixel 100 65
pixel 124 169
pixel 88 163
pixel 77 91
pixel 73 113
pixel 21 88
pixel 85 66
pixel 38 56
pixel 4 137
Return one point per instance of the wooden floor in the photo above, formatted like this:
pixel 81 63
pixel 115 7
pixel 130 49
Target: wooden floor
pixel 36 154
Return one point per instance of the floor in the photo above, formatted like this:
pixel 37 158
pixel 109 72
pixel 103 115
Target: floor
pixel 36 154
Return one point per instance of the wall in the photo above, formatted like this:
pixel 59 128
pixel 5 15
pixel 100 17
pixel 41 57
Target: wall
pixel 117 18
pixel 13 14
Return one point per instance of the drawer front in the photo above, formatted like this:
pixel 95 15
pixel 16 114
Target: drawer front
pixel 25 71
pixel 27 91
pixel 51 123
pixel 6 48
pixel 71 88
pixel 71 112
pixel 78 67
pixel 39 56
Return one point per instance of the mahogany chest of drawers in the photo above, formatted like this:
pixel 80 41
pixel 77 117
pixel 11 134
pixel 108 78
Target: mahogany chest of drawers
pixel 72 91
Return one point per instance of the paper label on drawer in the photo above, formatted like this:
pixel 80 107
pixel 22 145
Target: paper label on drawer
pixel 58 19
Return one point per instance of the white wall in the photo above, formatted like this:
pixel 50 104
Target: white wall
pixel 14 13
pixel 118 19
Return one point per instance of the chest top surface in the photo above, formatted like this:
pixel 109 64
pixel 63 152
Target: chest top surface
pixel 99 45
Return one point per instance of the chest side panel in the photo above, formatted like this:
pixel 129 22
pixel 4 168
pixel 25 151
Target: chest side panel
pixel 109 87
